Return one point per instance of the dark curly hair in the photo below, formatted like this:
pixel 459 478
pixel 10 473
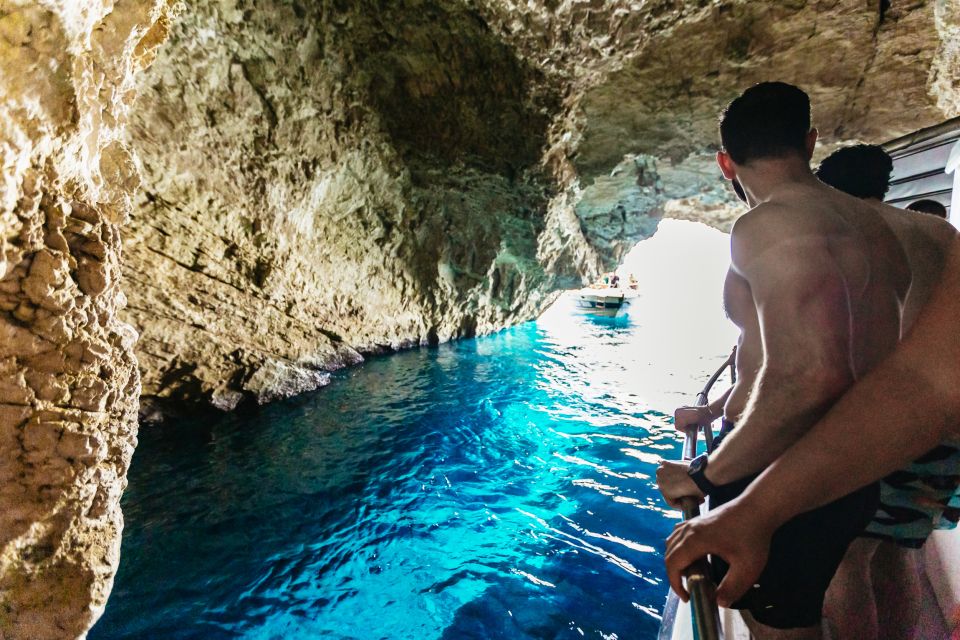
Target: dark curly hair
pixel 862 170
pixel 929 206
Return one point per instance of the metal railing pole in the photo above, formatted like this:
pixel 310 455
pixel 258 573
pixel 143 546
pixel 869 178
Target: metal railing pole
pixel 703 593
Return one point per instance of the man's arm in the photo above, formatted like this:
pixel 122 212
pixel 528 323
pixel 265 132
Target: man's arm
pixel 685 417
pixel 898 412
pixel 901 409
pixel 672 478
pixel 715 408
pixel 804 315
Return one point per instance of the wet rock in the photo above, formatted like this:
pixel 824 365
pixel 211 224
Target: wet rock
pixel 275 380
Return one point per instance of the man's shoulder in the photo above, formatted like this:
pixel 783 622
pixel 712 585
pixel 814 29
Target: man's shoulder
pixel 762 232
pixel 773 221
pixel 932 227
pixel 937 228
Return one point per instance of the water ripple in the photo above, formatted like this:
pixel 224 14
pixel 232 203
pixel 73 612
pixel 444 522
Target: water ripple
pixel 495 488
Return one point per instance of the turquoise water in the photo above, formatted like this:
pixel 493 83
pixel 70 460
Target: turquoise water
pixel 501 487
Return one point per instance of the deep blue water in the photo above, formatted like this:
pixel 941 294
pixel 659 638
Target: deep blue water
pixel 501 487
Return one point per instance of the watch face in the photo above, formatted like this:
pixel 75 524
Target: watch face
pixel 696 465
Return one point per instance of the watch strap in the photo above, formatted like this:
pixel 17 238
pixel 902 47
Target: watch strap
pixel 698 473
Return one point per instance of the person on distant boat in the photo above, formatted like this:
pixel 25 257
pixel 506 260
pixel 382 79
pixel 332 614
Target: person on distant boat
pixel 816 283
pixel 913 500
pixel 614 280
pixel 906 406
pixel 929 206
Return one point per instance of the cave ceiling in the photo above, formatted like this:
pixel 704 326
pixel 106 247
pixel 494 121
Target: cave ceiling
pixel 350 177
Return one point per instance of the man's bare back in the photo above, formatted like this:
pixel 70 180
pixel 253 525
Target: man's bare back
pixel 875 592
pixel 816 284
pixel 927 241
pixel 804 223
pixel 835 459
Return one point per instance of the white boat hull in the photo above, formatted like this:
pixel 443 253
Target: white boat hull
pixel 603 302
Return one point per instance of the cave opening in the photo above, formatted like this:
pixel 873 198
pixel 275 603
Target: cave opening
pixel 224 204
pixel 673 282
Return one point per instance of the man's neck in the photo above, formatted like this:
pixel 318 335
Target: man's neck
pixel 761 179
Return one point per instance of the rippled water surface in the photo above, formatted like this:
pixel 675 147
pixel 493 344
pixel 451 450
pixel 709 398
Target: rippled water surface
pixel 492 488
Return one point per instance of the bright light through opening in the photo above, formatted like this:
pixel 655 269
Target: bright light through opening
pixel 674 333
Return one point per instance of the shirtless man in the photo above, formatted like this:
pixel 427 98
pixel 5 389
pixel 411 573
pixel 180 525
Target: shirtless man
pixel 885 602
pixel 907 405
pixel 816 284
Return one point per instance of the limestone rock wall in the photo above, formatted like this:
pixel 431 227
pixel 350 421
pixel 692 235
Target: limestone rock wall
pixel 650 78
pixel 326 180
pixel 945 78
pixel 68 379
pixel 873 72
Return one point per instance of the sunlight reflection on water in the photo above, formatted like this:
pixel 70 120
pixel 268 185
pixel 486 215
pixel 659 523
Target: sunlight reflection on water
pixel 492 488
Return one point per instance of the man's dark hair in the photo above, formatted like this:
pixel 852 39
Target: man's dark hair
pixel 768 120
pixel 929 206
pixel 862 170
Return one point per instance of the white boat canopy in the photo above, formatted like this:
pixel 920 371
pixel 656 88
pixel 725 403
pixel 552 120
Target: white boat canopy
pixel 926 166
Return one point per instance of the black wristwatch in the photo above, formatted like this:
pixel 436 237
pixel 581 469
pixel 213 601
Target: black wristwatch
pixel 698 473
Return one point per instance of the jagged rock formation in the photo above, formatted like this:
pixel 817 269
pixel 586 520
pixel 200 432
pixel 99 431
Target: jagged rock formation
pixel 323 182
pixel 945 76
pixel 325 179
pixel 650 78
pixel 68 379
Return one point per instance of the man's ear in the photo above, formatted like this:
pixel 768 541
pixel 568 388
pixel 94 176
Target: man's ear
pixel 727 168
pixel 811 142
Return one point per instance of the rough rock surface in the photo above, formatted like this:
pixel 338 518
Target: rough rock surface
pixel 326 180
pixel 945 76
pixel 650 78
pixel 68 379
pixel 322 180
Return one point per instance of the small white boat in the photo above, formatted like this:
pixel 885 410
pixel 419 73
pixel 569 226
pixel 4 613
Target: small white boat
pixel 604 301
pixel 610 296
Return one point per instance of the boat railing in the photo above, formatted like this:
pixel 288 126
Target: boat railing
pixel 703 593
